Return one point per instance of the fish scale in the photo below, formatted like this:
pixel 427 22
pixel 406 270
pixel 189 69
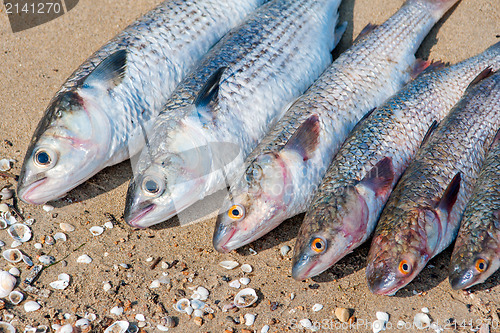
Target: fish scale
pixel 423 213
pixel 376 66
pixel 269 60
pixel 103 122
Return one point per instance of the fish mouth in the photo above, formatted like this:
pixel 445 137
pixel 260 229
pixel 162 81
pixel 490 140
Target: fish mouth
pixel 26 193
pixel 380 282
pixel 462 280
pixel 134 221
pixel 221 238
pixel 302 268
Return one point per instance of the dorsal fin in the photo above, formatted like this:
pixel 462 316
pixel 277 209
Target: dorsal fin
pixel 483 75
pixel 496 139
pixel 366 30
pixel 379 179
pixel 366 115
pixel 209 91
pixel 450 195
pixel 430 130
pixel 339 32
pixel 109 73
pixel 306 138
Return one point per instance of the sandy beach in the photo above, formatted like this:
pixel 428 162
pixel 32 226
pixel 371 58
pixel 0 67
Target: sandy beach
pixel 33 65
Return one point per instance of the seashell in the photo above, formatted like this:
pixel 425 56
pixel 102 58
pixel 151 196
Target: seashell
pixel 169 322
pixel 378 325
pixel 133 329
pixel 13 255
pixel 382 316
pixel 10 219
pixel 425 310
pixel 106 286
pixel 96 230
pixel 48 208
pixel 245 298
pixel 3 222
pixel 182 304
pixel 29 221
pixel 118 327
pixel 162 328
pixel 117 310
pixel 284 250
pixel 14 271
pixel 108 225
pixel 154 284
pixel 64 277
pixel 249 319
pixel 27 260
pixel 140 317
pixel 83 324
pixel 66 227
pixel 5 164
pixel 7 283
pixel 84 259
pixel 28 329
pixel 31 306
pixel 197 313
pixel 306 323
pixel 421 321
pixel 4 208
pixel 228 264
pixel 59 284
pixel 20 232
pixel 246 268
pixel 90 316
pixel 38 246
pixel 235 284
pixel 203 292
pixel 244 281
pixel 6 193
pixel 46 259
pixel 317 307
pixel 2 243
pixel 6 327
pixel 16 243
pixel 265 329
pixel 49 240
pixel 197 304
pixel 189 310
pixel 60 236
pixel 16 297
pixel 42 329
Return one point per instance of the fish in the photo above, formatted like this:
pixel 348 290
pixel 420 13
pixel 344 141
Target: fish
pixel 283 172
pixel 423 213
pixel 100 114
pixel 360 179
pixel 476 254
pixel 239 90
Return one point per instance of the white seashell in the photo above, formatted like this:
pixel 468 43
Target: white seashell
pixel 2 243
pixel 189 310
pixel 235 284
pixel 49 240
pixel 265 329
pixel 31 306
pixel 82 322
pixel 20 232
pixel 29 221
pixel 203 292
pixel 284 250
pixel 249 319
pixel 46 259
pixel 378 325
pixel 244 281
pixel 228 264
pixel 182 304
pixel 10 219
pixel 317 307
pixel 6 193
pixel 154 284
pixel 162 328
pixel 3 222
pixel 164 279
pixel 48 208
pixel 96 230
pixel 66 227
pixel 197 304
pixel 12 255
pixel 118 327
pixel 16 243
pixel 246 268
pixel 425 310
pixel 140 317
pixel 198 313
pixel 65 329
pixel 14 271
pixel 59 284
pixel 108 225
pixel 383 316
pixel 306 323
pixel 60 236
pixel 4 208
pixel 38 246
pixel 64 277
pixel 27 260
pixel 117 310
pixel 245 298
pixel 90 316
pixel 7 283
pixel 27 329
pixel 84 259
pixel 421 321
pixel 16 297
pixel 6 327
pixel 5 164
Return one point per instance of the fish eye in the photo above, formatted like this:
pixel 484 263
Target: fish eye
pixel 404 267
pixel 318 245
pixel 236 212
pixel 43 158
pixel 481 265
pixel 152 186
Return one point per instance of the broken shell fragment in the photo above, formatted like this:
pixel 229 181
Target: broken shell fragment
pixel 6 193
pixel 421 321
pixel 6 327
pixel 244 280
pixel 60 236
pixel 84 259
pixel 20 232
pixel 15 271
pixel 5 164
pixel 249 319
pixel 96 230
pixel 66 227
pixel 16 297
pixel 7 283
pixel 118 327
pixel 46 259
pixel 182 304
pixel 3 222
pixel 31 306
pixel 245 298
pixel 117 311
pixel 197 304
pixel 228 264
pixel 12 255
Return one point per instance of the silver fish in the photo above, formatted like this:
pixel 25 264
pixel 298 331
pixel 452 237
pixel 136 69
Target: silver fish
pixel 476 255
pixel 284 171
pixel 98 117
pixel 423 213
pixel 362 175
pixel 237 93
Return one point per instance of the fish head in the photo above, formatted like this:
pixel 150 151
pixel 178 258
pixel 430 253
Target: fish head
pixel 168 180
pixel 475 257
pixel 253 206
pixel 64 151
pixel 397 256
pixel 329 232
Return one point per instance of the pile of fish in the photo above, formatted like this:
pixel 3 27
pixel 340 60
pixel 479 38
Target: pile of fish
pixel 244 94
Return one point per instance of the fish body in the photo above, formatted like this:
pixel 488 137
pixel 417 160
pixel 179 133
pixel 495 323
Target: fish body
pixel 234 96
pixel 476 254
pixel 358 183
pixel 423 213
pixel 98 116
pixel 283 172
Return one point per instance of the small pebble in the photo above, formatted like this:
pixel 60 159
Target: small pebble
pixel 48 208
pixel 246 268
pixel 140 317
pixel 14 271
pixel 284 250
pixel 66 227
pixel 244 281
pixel 106 286
pixel 5 164
pixel 198 321
pixel 108 225
pixel 342 314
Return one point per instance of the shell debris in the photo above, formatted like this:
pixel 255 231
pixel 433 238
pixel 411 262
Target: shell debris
pixel 12 255
pixel 20 232
pixel 31 306
pixel 235 284
pixel 84 259
pixel 421 321
pixel 96 230
pixel 117 310
pixel 16 297
pixel 245 298
pixel 284 250
pixel 5 164
pixel 228 264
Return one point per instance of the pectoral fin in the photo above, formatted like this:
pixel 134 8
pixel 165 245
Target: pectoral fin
pixel 379 179
pixel 449 197
pixel 306 138
pixel 109 73
pixel 208 94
